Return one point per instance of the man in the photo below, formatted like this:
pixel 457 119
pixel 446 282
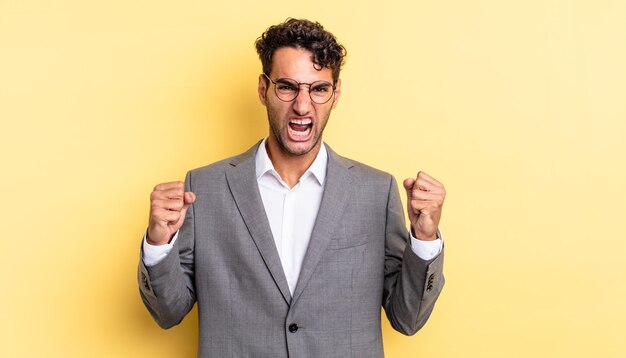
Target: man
pixel 290 249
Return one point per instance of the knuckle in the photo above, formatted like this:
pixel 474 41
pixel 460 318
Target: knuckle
pixel 156 215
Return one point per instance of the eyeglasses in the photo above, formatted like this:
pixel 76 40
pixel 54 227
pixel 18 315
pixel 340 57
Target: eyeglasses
pixel 287 90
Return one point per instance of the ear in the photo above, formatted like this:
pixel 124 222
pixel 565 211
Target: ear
pixel 262 89
pixel 337 93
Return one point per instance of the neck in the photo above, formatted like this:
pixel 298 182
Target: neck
pixel 290 167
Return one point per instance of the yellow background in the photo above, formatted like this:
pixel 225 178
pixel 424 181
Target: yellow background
pixel 518 107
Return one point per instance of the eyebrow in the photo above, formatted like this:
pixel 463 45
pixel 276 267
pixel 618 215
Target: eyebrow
pixel 286 79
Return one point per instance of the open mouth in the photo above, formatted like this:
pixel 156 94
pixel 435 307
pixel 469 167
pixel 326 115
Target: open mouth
pixel 300 127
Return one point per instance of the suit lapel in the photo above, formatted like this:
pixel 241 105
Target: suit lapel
pixel 337 190
pixel 245 190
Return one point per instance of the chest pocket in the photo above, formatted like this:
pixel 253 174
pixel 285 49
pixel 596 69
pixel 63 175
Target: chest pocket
pixel 344 242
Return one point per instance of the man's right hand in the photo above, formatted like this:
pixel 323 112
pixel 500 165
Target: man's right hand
pixel 168 206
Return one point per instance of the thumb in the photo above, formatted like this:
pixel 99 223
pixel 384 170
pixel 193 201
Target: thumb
pixel 408 186
pixel 189 198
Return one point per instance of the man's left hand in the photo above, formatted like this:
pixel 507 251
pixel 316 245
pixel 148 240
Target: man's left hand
pixel 425 197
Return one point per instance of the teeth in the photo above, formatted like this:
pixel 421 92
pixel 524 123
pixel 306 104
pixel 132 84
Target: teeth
pixel 299 133
pixel 301 121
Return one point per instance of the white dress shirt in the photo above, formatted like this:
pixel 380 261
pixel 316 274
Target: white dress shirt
pixel 291 213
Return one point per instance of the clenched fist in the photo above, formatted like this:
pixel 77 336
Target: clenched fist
pixel 168 205
pixel 425 197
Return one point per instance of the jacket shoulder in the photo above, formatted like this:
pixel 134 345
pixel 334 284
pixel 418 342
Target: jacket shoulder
pixel 219 168
pixel 364 172
pixel 213 168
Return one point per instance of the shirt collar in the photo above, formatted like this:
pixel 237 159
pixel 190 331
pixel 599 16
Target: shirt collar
pixel 317 168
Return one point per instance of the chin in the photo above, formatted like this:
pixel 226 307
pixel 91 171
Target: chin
pixel 301 148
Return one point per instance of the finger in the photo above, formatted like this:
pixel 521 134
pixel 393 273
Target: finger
pixel 423 206
pixel 167 204
pixel 426 185
pixel 425 196
pixel 428 199
pixel 428 178
pixel 420 185
pixel 166 216
pixel 169 185
pixel 174 193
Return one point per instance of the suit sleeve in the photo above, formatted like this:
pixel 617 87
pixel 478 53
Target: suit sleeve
pixel 167 288
pixel 412 285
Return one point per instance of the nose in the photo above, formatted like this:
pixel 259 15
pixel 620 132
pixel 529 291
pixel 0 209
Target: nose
pixel 302 104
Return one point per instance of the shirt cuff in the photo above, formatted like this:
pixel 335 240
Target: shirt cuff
pixel 426 250
pixel 153 254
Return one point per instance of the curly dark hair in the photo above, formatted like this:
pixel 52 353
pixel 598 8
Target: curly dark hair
pixel 305 34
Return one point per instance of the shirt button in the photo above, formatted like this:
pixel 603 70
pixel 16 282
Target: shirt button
pixel 293 328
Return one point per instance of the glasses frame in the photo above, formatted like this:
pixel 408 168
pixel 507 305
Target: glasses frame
pixel 298 91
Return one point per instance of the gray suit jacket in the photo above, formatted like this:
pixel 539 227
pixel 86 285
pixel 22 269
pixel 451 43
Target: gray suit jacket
pixel 357 260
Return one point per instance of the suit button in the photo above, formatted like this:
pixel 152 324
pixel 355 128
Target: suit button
pixel 430 287
pixel 293 328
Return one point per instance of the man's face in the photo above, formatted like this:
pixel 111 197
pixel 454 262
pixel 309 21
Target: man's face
pixel 296 127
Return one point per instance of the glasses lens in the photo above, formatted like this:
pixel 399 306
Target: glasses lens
pixel 321 91
pixel 286 89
